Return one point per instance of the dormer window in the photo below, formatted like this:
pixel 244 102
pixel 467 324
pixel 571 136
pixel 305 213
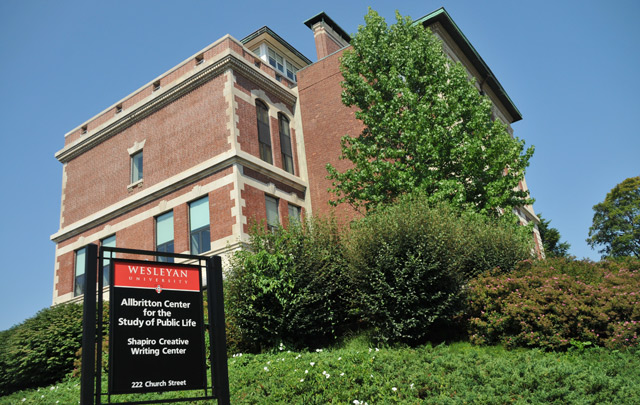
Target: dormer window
pixel 276 60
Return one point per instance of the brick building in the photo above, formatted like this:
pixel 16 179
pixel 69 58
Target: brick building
pixel 240 131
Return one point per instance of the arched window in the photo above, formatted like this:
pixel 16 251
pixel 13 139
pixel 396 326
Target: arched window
pixel 264 136
pixel 285 144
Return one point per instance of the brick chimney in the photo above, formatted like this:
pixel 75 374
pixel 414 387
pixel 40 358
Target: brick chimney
pixel 328 35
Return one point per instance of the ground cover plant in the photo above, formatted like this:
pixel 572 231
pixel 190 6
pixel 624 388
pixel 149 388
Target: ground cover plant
pixel 359 373
pixel 558 304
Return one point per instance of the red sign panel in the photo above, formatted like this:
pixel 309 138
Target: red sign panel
pixel 156 276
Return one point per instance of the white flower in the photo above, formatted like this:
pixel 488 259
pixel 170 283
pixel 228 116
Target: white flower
pixel 394 389
pixel 370 349
pixel 306 371
pixel 377 350
pixel 266 369
pixel 324 372
pixel 312 363
pixel 356 402
pixel 318 350
pixel 302 380
pixel 52 388
pixel 339 358
pixel 327 375
pixel 41 396
pixel 24 399
pixel 341 374
pixel 411 386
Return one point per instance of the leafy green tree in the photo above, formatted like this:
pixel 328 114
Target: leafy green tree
pixel 551 239
pixel 427 128
pixel 616 221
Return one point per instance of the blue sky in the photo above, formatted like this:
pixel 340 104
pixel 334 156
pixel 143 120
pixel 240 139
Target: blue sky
pixel 571 67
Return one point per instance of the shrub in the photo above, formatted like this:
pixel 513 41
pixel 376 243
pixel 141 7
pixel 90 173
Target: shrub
pixel 557 304
pixel 289 286
pixel 41 350
pixel 410 261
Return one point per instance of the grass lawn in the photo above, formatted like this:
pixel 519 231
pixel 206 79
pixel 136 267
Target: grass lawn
pixel 457 373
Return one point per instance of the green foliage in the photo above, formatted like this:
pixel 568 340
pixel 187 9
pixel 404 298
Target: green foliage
pixel 289 286
pixel 410 261
pixel 557 304
pixel 458 373
pixel 551 239
pixel 40 350
pixel 427 128
pixel 616 221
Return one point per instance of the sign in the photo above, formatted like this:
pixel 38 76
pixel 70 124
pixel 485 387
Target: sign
pixel 157 328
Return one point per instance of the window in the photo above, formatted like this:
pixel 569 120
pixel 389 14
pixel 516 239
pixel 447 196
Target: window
pixel 136 167
pixel 78 279
pixel 164 236
pixel 285 144
pixel 199 226
pixel 273 217
pixel 118 108
pixel 84 129
pixel 294 213
pixel 264 135
pixel 292 71
pixel 106 262
pixel 280 63
pixel 276 60
pixel 156 86
pixel 199 59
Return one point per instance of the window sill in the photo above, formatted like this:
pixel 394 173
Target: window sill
pixel 135 185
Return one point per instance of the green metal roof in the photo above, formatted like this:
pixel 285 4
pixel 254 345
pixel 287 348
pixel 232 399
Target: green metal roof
pixel 441 16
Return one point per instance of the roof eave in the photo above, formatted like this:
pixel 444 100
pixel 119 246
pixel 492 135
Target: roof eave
pixel 440 15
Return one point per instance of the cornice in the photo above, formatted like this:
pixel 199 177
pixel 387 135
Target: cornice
pixel 183 180
pixel 229 61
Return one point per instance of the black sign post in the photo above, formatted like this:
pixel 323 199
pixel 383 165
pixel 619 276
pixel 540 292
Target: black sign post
pixel 156 329
pixel 87 378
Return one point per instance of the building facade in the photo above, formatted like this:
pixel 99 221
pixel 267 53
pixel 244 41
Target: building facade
pixel 239 132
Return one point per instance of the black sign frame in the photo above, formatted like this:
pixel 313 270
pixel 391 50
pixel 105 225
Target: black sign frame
pixel 197 368
pixel 90 387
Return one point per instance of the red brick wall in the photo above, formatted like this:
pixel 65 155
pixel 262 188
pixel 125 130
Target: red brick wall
pixel 324 121
pixel 220 205
pixel 145 92
pixel 142 234
pixel 254 208
pixel 184 133
pixel 324 44
pixel 248 127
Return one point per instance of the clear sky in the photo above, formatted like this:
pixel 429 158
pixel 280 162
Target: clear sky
pixel 571 67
